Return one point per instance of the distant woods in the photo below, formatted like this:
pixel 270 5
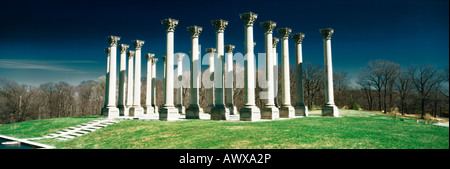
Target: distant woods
pixel 380 86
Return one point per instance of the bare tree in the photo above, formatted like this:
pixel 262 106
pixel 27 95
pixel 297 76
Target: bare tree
pixel 403 86
pixel 425 78
pixel 313 82
pixel 366 86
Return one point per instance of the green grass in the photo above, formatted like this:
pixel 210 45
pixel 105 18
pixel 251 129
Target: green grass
pixel 355 130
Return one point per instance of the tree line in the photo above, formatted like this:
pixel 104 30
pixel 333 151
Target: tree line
pixel 380 86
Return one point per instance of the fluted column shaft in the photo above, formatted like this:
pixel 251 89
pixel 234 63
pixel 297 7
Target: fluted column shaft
pixel 330 108
pixel 194 111
pixel 130 80
pixel 137 109
pixel 154 60
pixel 148 92
pixel 286 110
pixel 300 108
pixel 122 75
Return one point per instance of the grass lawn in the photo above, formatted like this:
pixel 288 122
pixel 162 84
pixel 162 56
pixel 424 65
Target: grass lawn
pixel 354 130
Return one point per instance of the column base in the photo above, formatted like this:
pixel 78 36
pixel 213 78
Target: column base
pixel 149 110
pixel 287 111
pixel 301 110
pixel 233 109
pixel 127 110
pixel 220 112
pixel 250 113
pixel 122 110
pixel 110 112
pixel 208 109
pixel 194 112
pixel 169 113
pixel 181 109
pixel 136 111
pixel 330 110
pixel 270 112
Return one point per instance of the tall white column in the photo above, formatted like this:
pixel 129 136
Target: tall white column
pixel 164 76
pixel 154 60
pixel 330 108
pixel 179 97
pixel 219 112
pixel 300 108
pixel 111 110
pixel 275 70
pixel 168 110
pixel 108 59
pixel 195 111
pixel 249 112
pixel 130 83
pixel 148 108
pixel 122 75
pixel 137 109
pixel 210 91
pixel 286 110
pixel 229 80
pixel 269 111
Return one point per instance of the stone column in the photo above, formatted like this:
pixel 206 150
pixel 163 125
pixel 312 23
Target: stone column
pixel 164 75
pixel 136 109
pixel 286 110
pixel 148 108
pixel 330 108
pixel 229 87
pixel 123 67
pixel 130 83
pixel 154 60
pixel 179 103
pixel 300 108
pixel 111 110
pixel 249 112
pixel 195 111
pixel 168 110
pixel 210 92
pixel 269 111
pixel 275 70
pixel 219 112
pixel 108 59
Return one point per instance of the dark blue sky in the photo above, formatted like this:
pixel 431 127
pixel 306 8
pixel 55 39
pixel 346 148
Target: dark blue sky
pixel 42 41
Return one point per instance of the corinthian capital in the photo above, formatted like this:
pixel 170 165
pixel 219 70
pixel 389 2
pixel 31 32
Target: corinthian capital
pixel 195 31
pixel 248 18
pixel 169 24
pixel 268 26
pixel 149 56
pixel 138 44
pixel 326 33
pixel 211 50
pixel 154 60
pixel 229 48
pixel 113 40
pixel 284 32
pixel 219 25
pixel 179 56
pixel 108 51
pixel 275 41
pixel 298 37
pixel 123 48
pixel 130 54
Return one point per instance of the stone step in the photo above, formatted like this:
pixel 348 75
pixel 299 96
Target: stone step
pixel 75 134
pixel 67 136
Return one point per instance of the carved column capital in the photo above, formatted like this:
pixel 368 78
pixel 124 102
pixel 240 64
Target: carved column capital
pixel 211 50
pixel 219 25
pixel 248 18
pixel 130 54
pixel 154 60
pixel 284 32
pixel 275 41
pixel 179 56
pixel 268 26
pixel 123 48
pixel 108 51
pixel 149 56
pixel 229 48
pixel 326 33
pixel 138 44
pixel 298 37
pixel 169 24
pixel 195 31
pixel 113 40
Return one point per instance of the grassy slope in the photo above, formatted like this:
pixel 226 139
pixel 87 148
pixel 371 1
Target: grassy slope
pixel 357 129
